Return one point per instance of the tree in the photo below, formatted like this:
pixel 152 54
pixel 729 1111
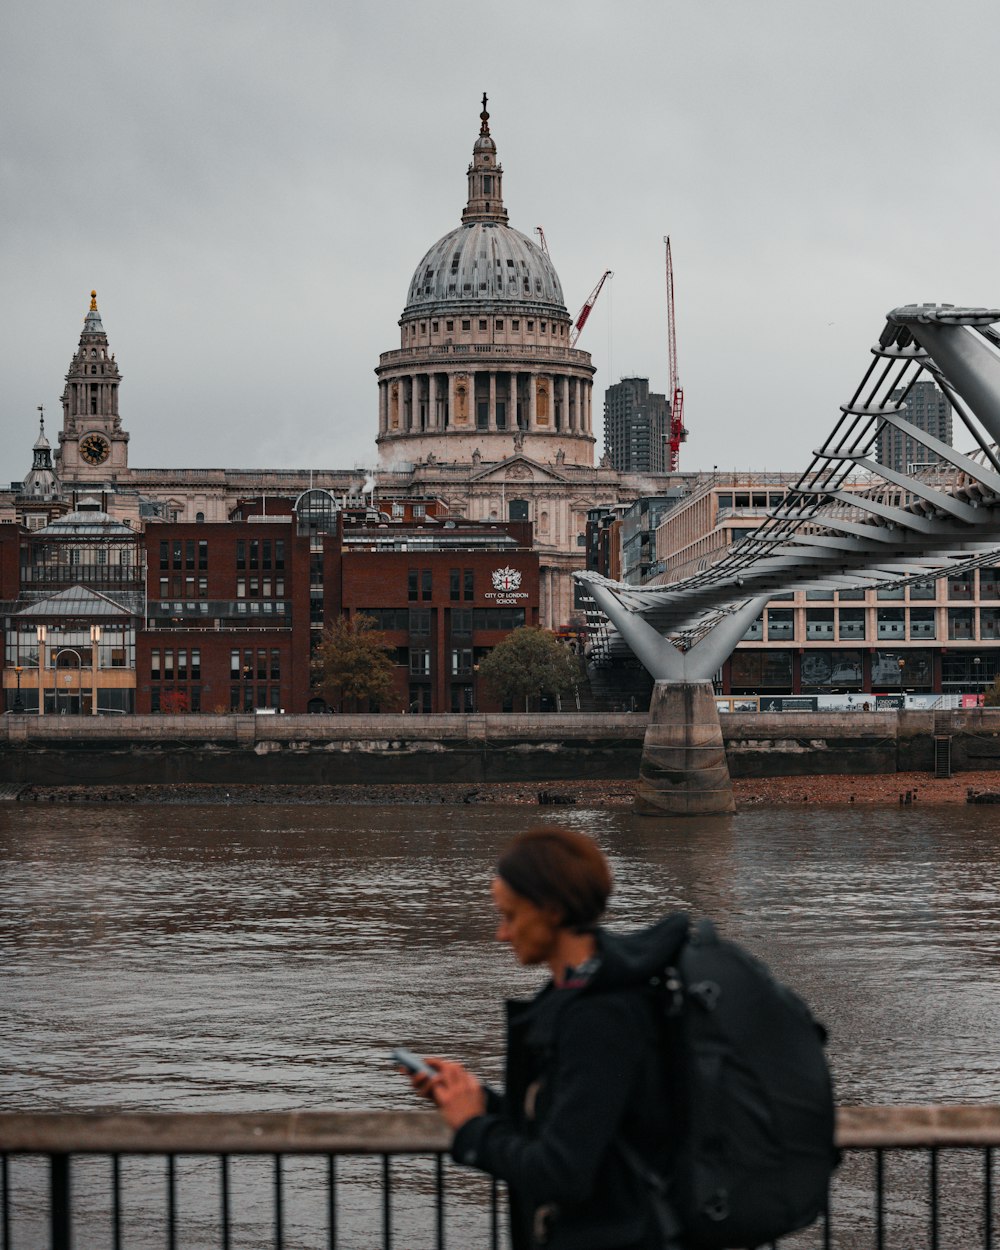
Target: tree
pixel 530 661
pixel 991 697
pixel 174 702
pixel 353 662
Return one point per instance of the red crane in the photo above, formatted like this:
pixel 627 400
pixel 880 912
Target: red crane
pixel 542 239
pixel 584 313
pixel 678 434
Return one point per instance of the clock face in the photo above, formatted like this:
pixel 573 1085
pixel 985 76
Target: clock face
pixel 95 448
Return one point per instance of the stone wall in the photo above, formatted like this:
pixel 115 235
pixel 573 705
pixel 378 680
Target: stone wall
pixel 235 750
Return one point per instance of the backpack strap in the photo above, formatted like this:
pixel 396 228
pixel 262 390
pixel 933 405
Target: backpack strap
pixel 667 1222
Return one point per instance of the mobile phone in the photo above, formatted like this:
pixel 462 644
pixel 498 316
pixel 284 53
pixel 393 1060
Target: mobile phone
pixel 404 1058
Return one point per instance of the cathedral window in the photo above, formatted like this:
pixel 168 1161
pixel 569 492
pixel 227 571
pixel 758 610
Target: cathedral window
pixel 498 325
pixel 482 320
pixel 531 326
pixel 449 326
pixel 516 323
pixel 93 368
pixel 434 327
pixel 466 324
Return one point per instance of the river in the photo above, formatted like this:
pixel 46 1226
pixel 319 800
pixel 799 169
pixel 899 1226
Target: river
pixel 267 957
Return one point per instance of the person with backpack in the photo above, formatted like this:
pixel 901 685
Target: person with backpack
pixel 663 1090
pixel 584 1075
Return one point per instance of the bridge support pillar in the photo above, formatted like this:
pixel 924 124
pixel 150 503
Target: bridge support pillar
pixel 684 770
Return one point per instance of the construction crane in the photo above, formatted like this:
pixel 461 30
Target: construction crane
pixel 541 238
pixel 584 312
pixel 678 434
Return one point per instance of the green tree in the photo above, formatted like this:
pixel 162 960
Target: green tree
pixel 353 662
pixel 530 661
pixel 991 696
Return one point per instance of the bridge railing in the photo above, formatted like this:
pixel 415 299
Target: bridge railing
pixel 911 1176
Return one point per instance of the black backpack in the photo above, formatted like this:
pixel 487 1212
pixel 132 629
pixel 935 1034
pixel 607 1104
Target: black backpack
pixel 747 1071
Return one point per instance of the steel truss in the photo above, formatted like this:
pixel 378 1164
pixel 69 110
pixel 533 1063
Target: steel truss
pixel 896 529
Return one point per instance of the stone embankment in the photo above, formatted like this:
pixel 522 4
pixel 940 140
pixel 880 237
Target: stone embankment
pixel 554 802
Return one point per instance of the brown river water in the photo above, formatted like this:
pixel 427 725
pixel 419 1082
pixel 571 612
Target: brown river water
pixel 221 958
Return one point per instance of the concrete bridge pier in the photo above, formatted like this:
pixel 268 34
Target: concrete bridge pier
pixel 684 770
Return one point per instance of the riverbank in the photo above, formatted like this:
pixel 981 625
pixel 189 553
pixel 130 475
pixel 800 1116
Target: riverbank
pixel 889 789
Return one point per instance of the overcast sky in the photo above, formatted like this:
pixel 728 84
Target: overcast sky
pixel 250 187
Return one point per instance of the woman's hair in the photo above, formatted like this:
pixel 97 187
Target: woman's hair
pixel 551 866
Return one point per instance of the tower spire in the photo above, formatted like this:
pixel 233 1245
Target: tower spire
pixel 485 201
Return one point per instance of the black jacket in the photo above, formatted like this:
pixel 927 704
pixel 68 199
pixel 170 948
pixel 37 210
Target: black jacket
pixel 584 1070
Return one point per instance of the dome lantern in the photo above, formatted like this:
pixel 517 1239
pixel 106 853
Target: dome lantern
pixel 485 178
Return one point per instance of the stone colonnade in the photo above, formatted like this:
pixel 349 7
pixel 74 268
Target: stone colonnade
pixel 486 399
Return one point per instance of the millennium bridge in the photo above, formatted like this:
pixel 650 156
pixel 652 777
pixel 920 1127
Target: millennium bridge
pixel 944 518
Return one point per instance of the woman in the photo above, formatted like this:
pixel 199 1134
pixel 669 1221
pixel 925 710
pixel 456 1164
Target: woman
pixel 584 1070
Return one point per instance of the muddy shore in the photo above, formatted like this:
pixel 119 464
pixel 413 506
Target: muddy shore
pixel 884 789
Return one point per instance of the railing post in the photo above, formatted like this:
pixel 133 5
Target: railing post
pixel 59 1201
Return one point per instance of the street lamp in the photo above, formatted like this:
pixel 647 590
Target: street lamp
pixel 976 661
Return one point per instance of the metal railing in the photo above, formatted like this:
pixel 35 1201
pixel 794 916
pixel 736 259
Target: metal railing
pixel 911 1176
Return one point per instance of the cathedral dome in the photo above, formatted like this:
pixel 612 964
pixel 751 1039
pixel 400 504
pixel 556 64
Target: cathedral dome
pixel 484 260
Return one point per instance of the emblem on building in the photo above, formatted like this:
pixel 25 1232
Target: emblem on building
pixel 506 579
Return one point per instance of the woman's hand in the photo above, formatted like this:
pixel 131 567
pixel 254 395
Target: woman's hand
pixel 458 1094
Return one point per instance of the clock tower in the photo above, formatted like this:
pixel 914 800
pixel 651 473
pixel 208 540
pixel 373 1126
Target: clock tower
pixel 93 447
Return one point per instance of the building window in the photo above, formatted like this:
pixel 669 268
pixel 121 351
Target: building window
pixel 780 624
pixel 419 622
pixel 461 662
pixel 189 554
pixel 426 588
pixel 852 623
pixel 154 665
pixel 959 623
pixel 461 622
pixel 922 623
pixel 241 553
pixel 466 324
pixel 420 661
pixel 454 585
pixel 412 585
pixel 889 623
pixel 468 585
pixel 164 555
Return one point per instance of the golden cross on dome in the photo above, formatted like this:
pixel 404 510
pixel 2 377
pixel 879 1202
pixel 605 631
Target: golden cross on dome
pixel 484 117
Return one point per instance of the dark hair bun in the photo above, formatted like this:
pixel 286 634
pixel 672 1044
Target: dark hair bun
pixel 551 866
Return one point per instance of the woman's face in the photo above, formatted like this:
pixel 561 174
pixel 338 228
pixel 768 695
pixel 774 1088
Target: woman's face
pixel 532 932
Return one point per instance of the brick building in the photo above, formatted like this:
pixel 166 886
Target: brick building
pixel 225 617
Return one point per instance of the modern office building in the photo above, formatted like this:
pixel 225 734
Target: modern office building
pixel 928 410
pixel 636 426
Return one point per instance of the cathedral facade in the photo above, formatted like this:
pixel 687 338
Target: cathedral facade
pixel 484 405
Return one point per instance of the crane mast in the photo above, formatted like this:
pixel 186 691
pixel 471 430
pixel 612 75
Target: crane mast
pixel 678 434
pixel 542 239
pixel 585 311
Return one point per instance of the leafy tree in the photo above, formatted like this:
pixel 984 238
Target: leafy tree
pixel 991 698
pixel 353 662
pixel 174 702
pixel 530 661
